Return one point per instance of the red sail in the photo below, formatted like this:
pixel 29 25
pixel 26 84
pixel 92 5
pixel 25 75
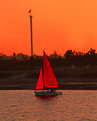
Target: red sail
pixel 49 77
pixel 40 81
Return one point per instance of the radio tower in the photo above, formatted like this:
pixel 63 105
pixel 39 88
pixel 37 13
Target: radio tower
pixel 31 32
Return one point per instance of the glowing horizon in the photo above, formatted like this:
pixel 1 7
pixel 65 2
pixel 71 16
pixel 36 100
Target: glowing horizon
pixel 57 26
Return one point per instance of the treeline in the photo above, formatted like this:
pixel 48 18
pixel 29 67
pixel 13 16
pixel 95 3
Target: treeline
pixel 21 61
pixel 80 58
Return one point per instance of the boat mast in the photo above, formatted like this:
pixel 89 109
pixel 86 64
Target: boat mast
pixel 43 70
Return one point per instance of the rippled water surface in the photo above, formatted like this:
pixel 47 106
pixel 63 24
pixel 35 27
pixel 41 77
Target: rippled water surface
pixel 22 105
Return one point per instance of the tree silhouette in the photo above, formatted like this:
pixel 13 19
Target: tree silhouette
pixel 69 53
pixel 91 52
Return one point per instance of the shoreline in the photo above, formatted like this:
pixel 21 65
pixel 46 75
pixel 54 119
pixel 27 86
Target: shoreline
pixel 64 84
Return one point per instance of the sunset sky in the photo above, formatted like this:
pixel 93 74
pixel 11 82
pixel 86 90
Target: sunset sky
pixel 57 25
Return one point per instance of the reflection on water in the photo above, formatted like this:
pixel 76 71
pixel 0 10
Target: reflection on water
pixel 17 105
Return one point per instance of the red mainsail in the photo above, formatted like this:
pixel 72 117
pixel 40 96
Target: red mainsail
pixel 47 78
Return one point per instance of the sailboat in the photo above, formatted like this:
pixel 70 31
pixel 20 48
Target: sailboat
pixel 47 83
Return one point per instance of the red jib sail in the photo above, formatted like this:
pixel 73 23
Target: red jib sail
pixel 47 78
pixel 40 81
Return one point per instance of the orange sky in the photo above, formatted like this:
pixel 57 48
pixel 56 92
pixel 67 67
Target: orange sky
pixel 57 25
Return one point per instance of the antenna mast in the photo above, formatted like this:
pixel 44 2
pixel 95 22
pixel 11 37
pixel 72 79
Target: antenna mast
pixel 31 32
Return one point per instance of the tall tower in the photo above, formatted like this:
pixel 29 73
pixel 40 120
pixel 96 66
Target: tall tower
pixel 31 32
pixel 31 35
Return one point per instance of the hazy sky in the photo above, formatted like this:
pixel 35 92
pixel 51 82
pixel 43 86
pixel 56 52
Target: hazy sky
pixel 57 25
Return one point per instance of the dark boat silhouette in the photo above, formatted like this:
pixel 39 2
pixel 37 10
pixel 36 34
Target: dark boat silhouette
pixel 47 83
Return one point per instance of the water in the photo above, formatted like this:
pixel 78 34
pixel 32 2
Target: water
pixel 22 105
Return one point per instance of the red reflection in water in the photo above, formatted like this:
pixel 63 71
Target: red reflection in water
pixel 46 97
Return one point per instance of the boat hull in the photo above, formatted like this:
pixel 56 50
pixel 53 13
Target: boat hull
pixel 47 93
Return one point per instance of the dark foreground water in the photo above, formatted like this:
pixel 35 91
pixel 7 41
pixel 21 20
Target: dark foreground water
pixel 22 105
